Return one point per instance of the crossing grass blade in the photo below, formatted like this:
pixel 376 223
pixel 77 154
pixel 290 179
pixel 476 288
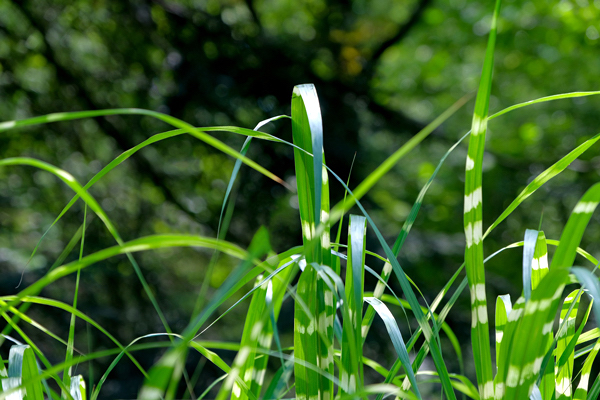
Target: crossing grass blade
pixel 251 364
pixel 396 337
pixel 68 308
pixel 542 178
pixel 581 393
pixel 473 222
pixel 529 245
pixel 177 123
pixel 527 337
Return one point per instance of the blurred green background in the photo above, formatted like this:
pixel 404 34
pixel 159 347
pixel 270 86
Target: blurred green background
pixel 383 70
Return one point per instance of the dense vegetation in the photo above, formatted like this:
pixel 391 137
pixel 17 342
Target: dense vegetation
pixel 380 70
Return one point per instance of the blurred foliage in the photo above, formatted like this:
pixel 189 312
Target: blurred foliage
pixel 383 70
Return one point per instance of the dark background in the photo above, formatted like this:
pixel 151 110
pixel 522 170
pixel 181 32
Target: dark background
pixel 383 69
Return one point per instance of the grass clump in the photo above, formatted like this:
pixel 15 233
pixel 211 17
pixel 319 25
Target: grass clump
pixel 533 358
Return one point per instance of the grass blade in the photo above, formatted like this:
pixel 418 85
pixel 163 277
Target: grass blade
pixel 351 370
pixel 473 222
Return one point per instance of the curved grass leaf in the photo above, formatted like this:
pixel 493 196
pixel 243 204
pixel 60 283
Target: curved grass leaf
pixel 396 337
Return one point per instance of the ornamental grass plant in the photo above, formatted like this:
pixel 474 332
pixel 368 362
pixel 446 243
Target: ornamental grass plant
pixel 324 279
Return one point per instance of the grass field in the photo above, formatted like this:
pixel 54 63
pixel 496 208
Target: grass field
pixel 324 278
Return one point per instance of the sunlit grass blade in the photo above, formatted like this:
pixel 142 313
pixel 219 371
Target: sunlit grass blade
pixel 573 231
pixel 251 362
pixel 539 264
pixel 22 365
pixel 529 245
pixel 564 374
pixel 351 368
pixel 503 309
pixel 542 178
pixel 78 390
pixel 581 392
pixel 473 222
pixel 177 123
pixel 314 308
pixel 528 336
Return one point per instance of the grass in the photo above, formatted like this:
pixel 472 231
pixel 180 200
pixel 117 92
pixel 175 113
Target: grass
pixel 533 358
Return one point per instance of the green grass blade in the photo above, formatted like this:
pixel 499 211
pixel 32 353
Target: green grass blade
pixel 503 309
pixel 177 123
pixel 529 244
pixel 473 222
pixel 542 178
pixel 564 374
pixel 165 374
pixel 396 337
pixel 351 370
pixel 527 337
pixel 581 393
pixel 313 324
pixel 573 232
pixel 22 364
pixel 410 296
pixel 539 264
pixel 78 391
